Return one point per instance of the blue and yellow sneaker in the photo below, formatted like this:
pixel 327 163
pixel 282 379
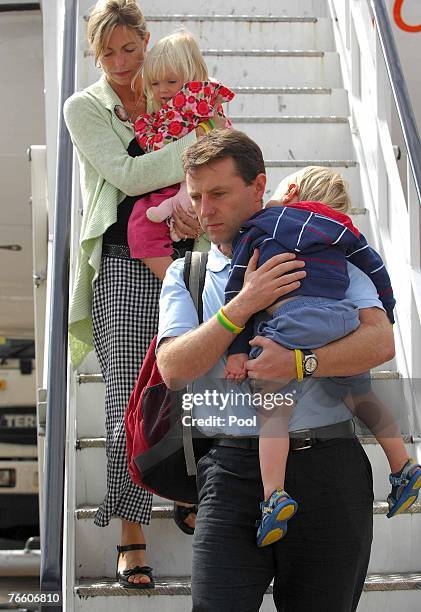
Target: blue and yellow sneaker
pixel 406 485
pixel 276 512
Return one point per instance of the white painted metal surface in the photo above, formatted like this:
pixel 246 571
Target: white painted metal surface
pixel 20 562
pixel 230 33
pixel 395 214
pixel 21 123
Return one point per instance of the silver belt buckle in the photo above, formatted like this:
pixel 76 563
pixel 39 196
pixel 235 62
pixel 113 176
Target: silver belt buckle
pixel 306 435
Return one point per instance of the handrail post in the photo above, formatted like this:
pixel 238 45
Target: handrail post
pixel 52 519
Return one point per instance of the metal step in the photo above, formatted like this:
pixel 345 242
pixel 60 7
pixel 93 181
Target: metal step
pixel 302 163
pixel 91 468
pixel 265 53
pixel 386 592
pixel 169 551
pixel 282 7
pixel 380 375
pixel 312 8
pixel 165 510
pixel 257 68
pixel 405 581
pixel 248 31
pixel 299 137
pixel 288 119
pixel 287 101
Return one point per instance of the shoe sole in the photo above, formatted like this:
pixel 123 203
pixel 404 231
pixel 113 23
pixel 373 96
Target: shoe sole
pixel 406 499
pixel 279 531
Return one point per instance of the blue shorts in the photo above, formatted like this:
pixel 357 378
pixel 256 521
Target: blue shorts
pixel 309 323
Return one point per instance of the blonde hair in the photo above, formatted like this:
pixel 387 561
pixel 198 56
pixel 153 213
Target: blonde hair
pixel 106 15
pixel 179 53
pixel 321 184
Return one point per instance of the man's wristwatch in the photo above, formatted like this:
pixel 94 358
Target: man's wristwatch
pixel 310 362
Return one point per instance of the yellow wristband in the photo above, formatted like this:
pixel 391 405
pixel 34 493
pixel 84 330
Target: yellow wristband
pixel 299 364
pixel 225 322
pixel 204 127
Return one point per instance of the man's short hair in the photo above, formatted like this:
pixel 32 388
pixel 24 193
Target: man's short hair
pixel 222 144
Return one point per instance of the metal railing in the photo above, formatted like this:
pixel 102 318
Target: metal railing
pixel 399 90
pixel 53 491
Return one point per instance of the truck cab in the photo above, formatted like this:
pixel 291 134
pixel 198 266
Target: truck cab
pixel 18 438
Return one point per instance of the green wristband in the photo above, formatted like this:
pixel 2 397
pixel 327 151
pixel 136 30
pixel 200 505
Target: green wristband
pixel 223 321
pixel 211 123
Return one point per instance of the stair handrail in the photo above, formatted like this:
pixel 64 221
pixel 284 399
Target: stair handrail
pixel 399 90
pixel 53 489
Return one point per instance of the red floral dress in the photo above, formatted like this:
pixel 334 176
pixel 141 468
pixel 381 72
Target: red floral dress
pixel 195 102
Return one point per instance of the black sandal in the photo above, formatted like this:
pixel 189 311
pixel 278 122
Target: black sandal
pixel 180 515
pixel 123 577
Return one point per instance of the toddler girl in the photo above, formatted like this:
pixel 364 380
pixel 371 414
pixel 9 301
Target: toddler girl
pixel 177 87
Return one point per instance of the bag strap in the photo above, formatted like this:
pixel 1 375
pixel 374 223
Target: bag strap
pixel 194 278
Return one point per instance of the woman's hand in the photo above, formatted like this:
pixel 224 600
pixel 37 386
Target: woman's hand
pixel 186 225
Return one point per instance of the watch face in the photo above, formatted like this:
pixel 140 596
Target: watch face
pixel 310 365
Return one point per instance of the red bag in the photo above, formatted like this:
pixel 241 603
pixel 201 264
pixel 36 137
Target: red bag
pixel 158 445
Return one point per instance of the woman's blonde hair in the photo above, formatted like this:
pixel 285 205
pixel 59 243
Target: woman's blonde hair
pixel 324 185
pixel 178 53
pixel 106 15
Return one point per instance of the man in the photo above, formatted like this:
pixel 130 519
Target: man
pixel 321 563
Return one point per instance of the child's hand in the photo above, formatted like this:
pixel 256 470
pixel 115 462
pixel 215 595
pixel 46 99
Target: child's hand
pixel 235 369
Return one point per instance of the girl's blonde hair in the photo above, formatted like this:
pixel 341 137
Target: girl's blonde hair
pixel 324 185
pixel 106 15
pixel 178 53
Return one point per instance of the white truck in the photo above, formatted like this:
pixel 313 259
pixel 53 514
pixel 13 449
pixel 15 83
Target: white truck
pixel 18 438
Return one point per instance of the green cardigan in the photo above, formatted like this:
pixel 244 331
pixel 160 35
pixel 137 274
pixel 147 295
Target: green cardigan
pixel 107 175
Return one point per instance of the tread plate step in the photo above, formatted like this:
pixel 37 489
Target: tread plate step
pixel 250 53
pixel 289 119
pixel 182 586
pixel 302 163
pixel 166 511
pixel 83 443
pixel 380 375
pixel 233 18
pixel 229 18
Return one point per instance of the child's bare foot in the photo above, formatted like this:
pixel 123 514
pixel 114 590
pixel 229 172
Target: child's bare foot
pixel 235 369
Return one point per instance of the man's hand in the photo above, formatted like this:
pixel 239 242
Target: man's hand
pixel 275 362
pixel 277 277
pixel 367 347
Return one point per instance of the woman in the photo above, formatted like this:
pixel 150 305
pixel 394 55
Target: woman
pixel 119 316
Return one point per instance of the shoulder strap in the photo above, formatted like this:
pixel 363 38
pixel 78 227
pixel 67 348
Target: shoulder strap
pixel 194 278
